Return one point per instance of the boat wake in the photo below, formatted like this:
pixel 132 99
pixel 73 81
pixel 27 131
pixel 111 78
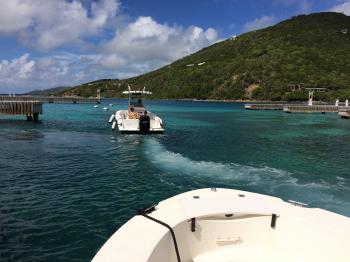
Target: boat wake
pixel 175 162
pixel 259 179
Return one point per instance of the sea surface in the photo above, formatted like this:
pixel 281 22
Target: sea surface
pixel 69 182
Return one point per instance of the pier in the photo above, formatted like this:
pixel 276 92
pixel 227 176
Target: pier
pixel 312 109
pixel 51 99
pixel 31 109
pixel 298 108
pixel 31 106
pixel 342 110
pixel 264 106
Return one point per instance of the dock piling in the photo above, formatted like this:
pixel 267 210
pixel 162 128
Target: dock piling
pixel 31 109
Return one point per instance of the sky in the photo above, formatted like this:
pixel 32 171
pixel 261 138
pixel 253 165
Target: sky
pixel 51 43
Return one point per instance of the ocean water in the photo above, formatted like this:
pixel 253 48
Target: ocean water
pixel 69 182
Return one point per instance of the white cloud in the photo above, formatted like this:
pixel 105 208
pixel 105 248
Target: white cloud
pixel 18 68
pixel 145 39
pixel 112 61
pixel 136 47
pixel 259 23
pixel 25 73
pixel 65 69
pixel 144 45
pixel 342 8
pixel 15 15
pixel 50 24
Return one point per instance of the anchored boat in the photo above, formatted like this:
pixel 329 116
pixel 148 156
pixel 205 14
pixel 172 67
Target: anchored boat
pixel 136 119
pixel 345 114
pixel 229 225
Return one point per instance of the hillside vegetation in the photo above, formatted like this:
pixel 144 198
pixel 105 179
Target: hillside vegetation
pixel 49 91
pixel 310 49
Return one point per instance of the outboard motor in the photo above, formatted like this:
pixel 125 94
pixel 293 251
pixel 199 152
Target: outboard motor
pixel 145 124
pixel 111 119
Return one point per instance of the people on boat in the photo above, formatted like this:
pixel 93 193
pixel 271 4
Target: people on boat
pixel 133 114
pixel 145 115
pixel 145 123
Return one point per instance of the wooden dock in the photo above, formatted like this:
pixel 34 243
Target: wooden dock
pixel 264 106
pixel 297 108
pixel 51 99
pixel 31 109
pixel 311 109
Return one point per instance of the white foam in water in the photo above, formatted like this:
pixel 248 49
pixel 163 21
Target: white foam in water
pixel 176 163
pixel 266 179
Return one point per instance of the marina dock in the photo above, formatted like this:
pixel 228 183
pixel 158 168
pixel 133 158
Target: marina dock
pixel 31 109
pixel 299 108
pixel 51 99
pixel 31 106
pixel 311 109
pixel 264 106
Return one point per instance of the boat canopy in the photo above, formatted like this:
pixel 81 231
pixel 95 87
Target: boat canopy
pixel 139 95
pixel 136 92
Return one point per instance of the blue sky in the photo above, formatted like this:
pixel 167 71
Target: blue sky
pixel 53 43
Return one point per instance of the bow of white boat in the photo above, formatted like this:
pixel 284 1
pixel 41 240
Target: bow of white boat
pixel 229 225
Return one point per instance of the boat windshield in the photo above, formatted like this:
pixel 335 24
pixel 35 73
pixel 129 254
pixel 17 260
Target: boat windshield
pixel 136 98
pixel 136 102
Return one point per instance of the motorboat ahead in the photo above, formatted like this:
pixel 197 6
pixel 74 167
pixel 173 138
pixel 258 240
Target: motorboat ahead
pixel 229 225
pixel 136 119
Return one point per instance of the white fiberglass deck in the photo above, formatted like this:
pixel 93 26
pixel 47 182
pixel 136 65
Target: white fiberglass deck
pixel 231 225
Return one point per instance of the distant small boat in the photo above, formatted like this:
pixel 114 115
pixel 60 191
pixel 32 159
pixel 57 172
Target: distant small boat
pixel 95 106
pixel 345 114
pixel 110 104
pixel 229 225
pixel 105 108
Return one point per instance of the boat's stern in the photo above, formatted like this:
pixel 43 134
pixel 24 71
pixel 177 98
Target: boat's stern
pixel 151 125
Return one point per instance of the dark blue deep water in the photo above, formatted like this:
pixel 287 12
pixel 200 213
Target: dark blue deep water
pixel 68 182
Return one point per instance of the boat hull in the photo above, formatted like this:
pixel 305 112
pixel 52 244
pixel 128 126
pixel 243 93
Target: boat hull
pixel 345 115
pixel 125 132
pixel 229 225
pixel 125 125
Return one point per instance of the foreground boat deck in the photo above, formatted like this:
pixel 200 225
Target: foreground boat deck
pixel 230 225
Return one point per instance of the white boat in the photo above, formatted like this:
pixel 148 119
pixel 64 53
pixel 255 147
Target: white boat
pixel 136 119
pixel 95 106
pixel 105 108
pixel 229 225
pixel 344 114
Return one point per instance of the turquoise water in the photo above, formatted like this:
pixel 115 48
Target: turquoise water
pixel 68 182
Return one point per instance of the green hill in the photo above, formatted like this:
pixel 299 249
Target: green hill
pixel 47 92
pixel 311 49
